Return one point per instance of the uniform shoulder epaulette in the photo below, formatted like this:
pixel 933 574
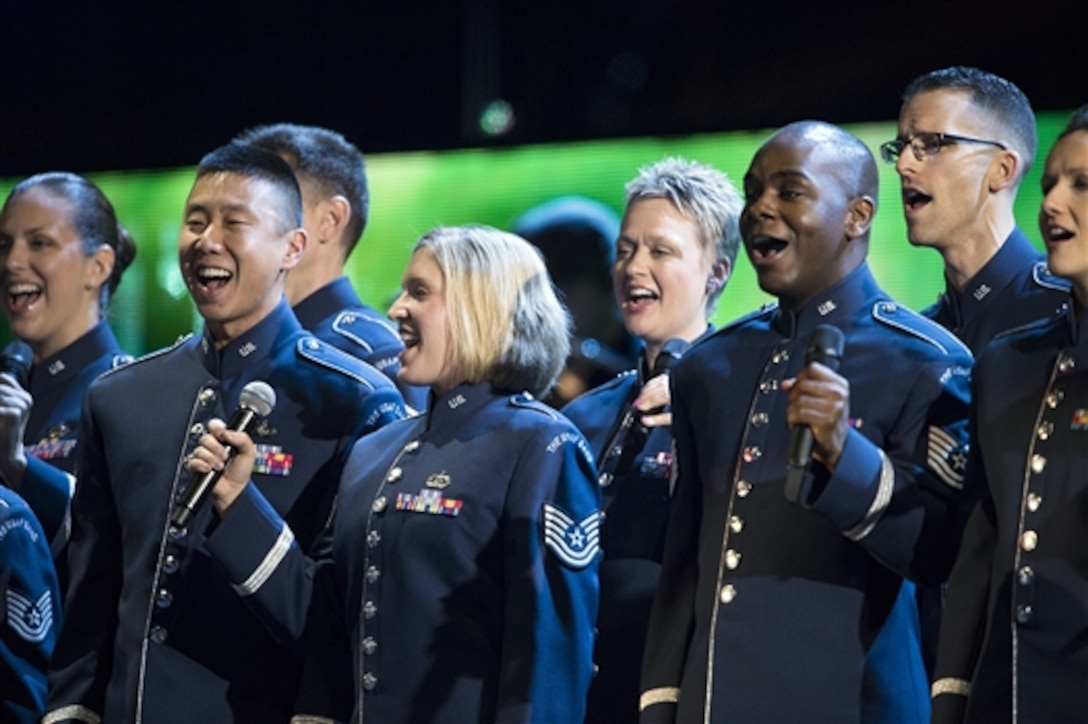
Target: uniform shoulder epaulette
pixel 357 326
pixel 122 361
pixel 526 401
pixel 320 353
pixel 767 310
pixel 1040 274
pixel 895 315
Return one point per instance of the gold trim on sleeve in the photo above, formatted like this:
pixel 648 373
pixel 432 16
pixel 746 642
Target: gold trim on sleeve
pixel 661 695
pixel 68 713
pixel 949 685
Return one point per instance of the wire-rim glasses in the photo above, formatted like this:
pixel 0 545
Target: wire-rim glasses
pixel 928 144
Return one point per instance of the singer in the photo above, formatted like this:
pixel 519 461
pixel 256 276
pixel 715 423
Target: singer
pixel 462 564
pixel 62 254
pixel 769 610
pixel 677 244
pixel 153 629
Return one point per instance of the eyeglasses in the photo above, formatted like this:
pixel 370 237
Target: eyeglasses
pixel 928 144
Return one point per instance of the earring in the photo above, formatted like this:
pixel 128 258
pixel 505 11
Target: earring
pixel 711 285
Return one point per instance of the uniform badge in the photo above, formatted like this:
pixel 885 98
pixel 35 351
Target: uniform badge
pixel 658 467
pixel 51 449
pixel 272 460
pixel 575 543
pixel 430 502
pixel 440 481
pixel 946 457
pixel 32 620
pixel 1080 420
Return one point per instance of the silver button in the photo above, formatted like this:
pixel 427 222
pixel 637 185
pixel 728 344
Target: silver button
pixel 780 356
pixel 206 395
pixel 311 343
pixel 759 419
pixel 370 610
pixel 370 682
pixel 394 475
pixel 164 598
pixel 1045 430
pixel 732 560
pixel 1025 576
pixel 1038 463
pixel 379 504
pixel 743 488
pixel 1023 613
pixel 370 646
pixel 768 386
pixel 412 446
pixel 373 574
pixel 1054 398
pixel 1066 363
pixel 373 538
pixel 1034 501
pixel 197 429
pixel 605 480
pixel 1030 540
pixel 157 635
pixel 752 453
pixel 728 593
pixel 736 523
pixel 170 564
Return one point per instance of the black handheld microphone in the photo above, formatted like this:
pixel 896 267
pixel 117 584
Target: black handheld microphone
pixel 256 401
pixel 16 360
pixel 825 347
pixel 671 351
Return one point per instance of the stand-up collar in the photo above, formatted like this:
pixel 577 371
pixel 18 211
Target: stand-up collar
pixel 57 369
pixel 1015 255
pixel 833 305
pixel 228 362
pixel 325 302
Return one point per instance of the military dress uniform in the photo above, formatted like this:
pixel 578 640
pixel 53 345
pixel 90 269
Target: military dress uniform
pixel 1014 288
pixel 766 609
pixel 634 468
pixel 29 612
pixel 463 564
pixel 335 314
pixel 154 632
pixel 1014 637
pixel 57 385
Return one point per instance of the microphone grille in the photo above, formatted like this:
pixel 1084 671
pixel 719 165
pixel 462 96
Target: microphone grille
pixel 259 397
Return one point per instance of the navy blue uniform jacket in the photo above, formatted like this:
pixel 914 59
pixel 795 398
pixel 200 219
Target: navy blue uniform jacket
pixel 463 565
pixel 154 630
pixel 30 610
pixel 1013 289
pixel 57 385
pixel 766 610
pixel 1015 627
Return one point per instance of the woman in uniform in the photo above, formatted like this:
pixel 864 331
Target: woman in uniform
pixel 1014 635
pixel 62 253
pixel 675 252
pixel 463 558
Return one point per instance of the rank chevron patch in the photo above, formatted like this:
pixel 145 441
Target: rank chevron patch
pixel 575 543
pixel 947 457
pixel 32 620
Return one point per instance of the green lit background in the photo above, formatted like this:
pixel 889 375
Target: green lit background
pixel 413 192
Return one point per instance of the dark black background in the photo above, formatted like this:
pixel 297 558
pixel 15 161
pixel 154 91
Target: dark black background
pixel 93 86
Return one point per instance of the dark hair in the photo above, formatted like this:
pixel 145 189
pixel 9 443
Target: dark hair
pixel 1079 122
pixel 255 162
pixel 1001 99
pixel 324 159
pixel 92 217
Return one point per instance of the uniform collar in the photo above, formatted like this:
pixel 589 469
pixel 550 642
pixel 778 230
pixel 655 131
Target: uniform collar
pixel 460 403
pixel 326 301
pixel 832 306
pixel 73 359
pixel 1015 255
pixel 254 344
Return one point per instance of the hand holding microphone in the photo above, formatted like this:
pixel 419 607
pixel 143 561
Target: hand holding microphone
pixel 214 454
pixel 654 396
pixel 15 406
pixel 818 408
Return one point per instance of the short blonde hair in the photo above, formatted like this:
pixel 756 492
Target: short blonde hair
pixel 506 323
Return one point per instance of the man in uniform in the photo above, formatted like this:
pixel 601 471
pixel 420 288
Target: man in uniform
pixel 155 631
pixel 767 608
pixel 331 173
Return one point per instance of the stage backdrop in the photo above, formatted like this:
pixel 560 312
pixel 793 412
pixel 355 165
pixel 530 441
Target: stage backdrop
pixel 413 192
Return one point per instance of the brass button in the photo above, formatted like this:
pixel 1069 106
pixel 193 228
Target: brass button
pixel 1030 540
pixel 728 593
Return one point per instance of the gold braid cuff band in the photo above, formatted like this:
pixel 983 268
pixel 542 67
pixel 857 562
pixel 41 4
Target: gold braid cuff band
pixel 949 685
pixel 662 695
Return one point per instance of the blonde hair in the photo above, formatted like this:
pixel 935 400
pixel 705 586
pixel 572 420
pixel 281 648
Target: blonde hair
pixel 506 323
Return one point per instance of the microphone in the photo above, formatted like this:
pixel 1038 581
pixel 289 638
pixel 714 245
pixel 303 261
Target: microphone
pixel 16 360
pixel 256 400
pixel 666 358
pixel 824 346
